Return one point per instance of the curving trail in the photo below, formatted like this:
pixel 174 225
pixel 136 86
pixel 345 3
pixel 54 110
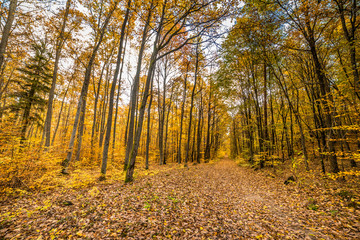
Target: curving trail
pixel 206 201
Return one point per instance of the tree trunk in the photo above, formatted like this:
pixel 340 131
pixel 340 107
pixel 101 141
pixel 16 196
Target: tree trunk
pixel 167 126
pixel 94 125
pixel 199 130
pixel 103 114
pixel 135 145
pixel 59 44
pixel 297 119
pixel 265 128
pixel 112 93
pixel 84 90
pixel 66 122
pixel 6 31
pixel 161 111
pixel 192 102
pixel 350 37
pixel 134 92
pixel 118 93
pixel 26 115
pixel 127 124
pixel 61 109
pixel 182 116
pixel 326 97
pixel 152 65
pixel 250 133
pixel 148 126
pixel 207 147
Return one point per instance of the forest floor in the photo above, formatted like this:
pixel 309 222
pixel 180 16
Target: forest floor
pixel 219 200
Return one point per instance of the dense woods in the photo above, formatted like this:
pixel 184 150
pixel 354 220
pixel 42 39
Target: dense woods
pixel 119 83
pixel 291 69
pixel 115 83
pixel 179 119
pixel 108 83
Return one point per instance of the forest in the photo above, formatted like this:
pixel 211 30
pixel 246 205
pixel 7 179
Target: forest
pixel 179 119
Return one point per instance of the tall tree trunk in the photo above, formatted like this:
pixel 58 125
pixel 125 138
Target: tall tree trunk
pixel 295 111
pixel 192 102
pixel 148 126
pixel 84 90
pixel 127 124
pixel 94 123
pixel 6 31
pixel 27 110
pixel 258 116
pixel 182 115
pixel 59 44
pixel 291 133
pixel 350 36
pixel 207 147
pixel 199 129
pixel 65 125
pixel 119 90
pixel 265 128
pixel 167 126
pixel 233 144
pixel 61 109
pixel 250 133
pixel 134 92
pixel 152 65
pixel 193 149
pixel 161 111
pixel 112 93
pixel 136 140
pixel 273 129
pixel 326 95
pixel 103 114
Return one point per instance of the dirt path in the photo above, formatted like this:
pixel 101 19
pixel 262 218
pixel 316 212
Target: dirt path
pixel 208 201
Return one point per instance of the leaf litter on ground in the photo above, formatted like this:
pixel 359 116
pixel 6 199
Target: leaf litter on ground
pixel 206 201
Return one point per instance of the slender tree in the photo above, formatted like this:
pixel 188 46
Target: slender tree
pixel 84 90
pixel 112 92
pixel 59 46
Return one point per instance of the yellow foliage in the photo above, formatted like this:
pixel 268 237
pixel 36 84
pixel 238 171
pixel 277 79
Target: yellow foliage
pixel 94 192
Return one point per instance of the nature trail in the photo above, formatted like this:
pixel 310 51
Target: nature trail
pixel 207 201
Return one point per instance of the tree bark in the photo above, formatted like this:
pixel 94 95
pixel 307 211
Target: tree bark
pixel 199 129
pixel 61 109
pixel 148 126
pixel 207 147
pixel 134 92
pixel 59 44
pixel 26 115
pixel 192 102
pixel 265 128
pixel 84 90
pixel 118 93
pixel 6 31
pixel 103 114
pixel 112 93
pixel 326 96
pixel 152 65
pixel 167 126
pixel 350 36
pixel 94 128
pixel 182 115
